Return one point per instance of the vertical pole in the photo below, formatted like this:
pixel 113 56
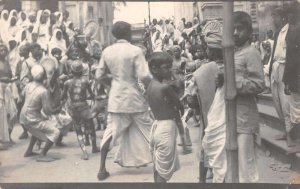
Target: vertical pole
pixel 149 13
pixel 230 95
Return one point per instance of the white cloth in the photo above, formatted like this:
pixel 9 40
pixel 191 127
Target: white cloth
pixel 7 107
pixel 133 133
pixel 280 50
pixel 295 108
pixel 4 25
pixel 163 148
pixel 22 24
pixel 55 43
pixel 215 137
pixel 248 170
pixel 32 117
pixel 127 64
pixel 14 58
pixel 281 100
pixel 44 36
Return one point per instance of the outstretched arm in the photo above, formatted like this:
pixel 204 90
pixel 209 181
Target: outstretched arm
pixel 89 88
pixel 64 94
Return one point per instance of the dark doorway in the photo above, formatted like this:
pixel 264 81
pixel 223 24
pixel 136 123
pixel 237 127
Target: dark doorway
pixel 12 4
pixel 47 4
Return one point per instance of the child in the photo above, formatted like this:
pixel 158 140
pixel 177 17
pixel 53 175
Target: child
pixel 165 104
pixel 76 89
pixel 62 69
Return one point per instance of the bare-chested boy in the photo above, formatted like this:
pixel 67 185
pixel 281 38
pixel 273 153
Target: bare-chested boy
pixel 165 104
pixel 76 89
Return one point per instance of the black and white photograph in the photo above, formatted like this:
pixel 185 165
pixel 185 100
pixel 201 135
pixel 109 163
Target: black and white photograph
pixel 149 92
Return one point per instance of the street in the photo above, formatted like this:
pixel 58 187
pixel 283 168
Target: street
pixel 70 168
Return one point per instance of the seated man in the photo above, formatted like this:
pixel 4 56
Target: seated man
pixel 33 118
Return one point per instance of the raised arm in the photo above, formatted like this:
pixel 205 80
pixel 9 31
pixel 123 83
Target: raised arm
pixel 64 94
pixel 101 69
pixel 142 69
pixel 89 88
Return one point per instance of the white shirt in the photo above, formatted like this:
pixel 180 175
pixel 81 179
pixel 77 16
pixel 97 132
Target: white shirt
pixel 127 65
pixel 280 50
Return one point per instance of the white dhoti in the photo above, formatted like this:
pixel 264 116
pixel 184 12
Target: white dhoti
pixel 133 132
pixel 248 170
pixel 163 148
pixel 64 121
pixel 215 137
pixel 44 130
pixel 295 108
pixel 280 99
pixel 8 111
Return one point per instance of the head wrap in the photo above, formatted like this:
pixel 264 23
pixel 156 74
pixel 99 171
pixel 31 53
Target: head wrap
pixel 4 12
pixel 37 72
pixel 176 47
pixel 47 11
pixel 55 43
pixel 77 66
pixel 213 34
pixel 50 65
pixel 32 13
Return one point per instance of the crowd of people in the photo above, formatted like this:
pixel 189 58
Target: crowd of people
pixel 55 79
pixel 50 41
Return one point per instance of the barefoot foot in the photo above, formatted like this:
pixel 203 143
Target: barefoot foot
pixel 44 158
pixel 30 154
pixel 103 175
pixel 96 150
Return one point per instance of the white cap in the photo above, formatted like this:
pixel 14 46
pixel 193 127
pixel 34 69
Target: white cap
pixel 37 72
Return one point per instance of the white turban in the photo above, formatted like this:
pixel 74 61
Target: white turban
pixel 37 72
pixel 213 34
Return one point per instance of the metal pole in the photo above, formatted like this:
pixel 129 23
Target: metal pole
pixel 230 95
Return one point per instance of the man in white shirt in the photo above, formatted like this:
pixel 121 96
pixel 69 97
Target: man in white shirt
pixel 128 111
pixel 280 99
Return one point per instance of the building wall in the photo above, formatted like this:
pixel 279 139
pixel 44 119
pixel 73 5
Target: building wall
pixel 260 12
pixel 81 12
pixel 183 10
pixel 265 14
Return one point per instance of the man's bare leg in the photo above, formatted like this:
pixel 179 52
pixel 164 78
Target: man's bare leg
pixel 202 173
pixel 24 135
pixel 87 138
pixel 43 156
pixel 10 139
pixel 81 142
pixel 29 152
pixel 103 174
pixel 158 178
pixel 59 141
pixel 95 148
